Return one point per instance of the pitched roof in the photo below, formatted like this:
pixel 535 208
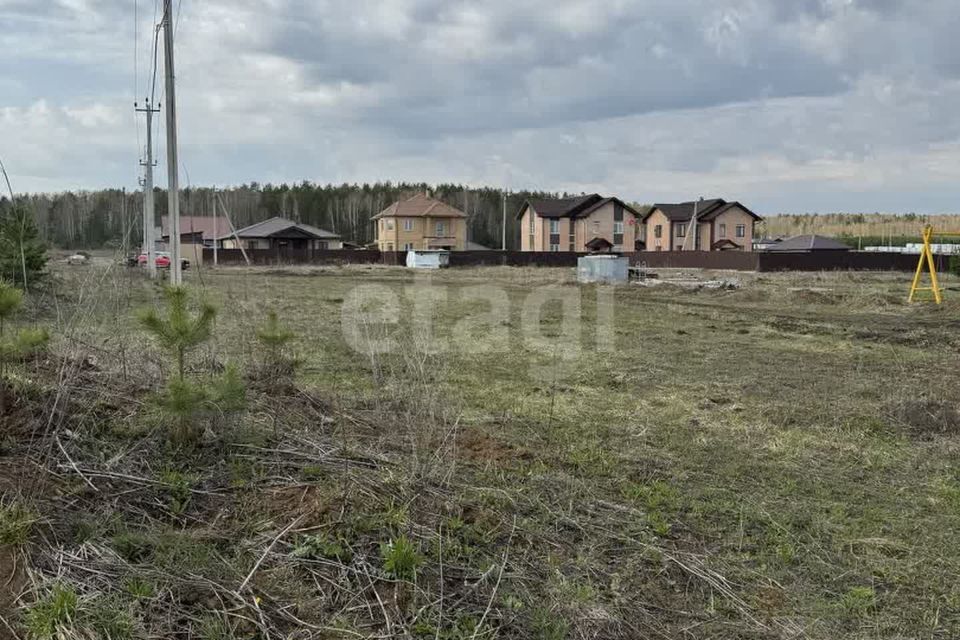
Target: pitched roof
pixel 578 207
pixel 420 205
pixel 599 244
pixel 208 226
pixel 707 210
pixel 809 242
pixel 559 207
pixel 725 243
pixel 276 226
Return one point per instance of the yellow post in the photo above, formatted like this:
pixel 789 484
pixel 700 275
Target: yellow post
pixel 926 258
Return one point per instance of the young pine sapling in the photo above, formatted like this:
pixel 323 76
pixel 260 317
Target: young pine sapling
pixel 278 365
pixel 179 333
pixel 19 346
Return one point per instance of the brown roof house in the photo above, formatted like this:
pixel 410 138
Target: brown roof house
pixel 721 226
pixel 280 233
pixel 199 229
pixel 196 234
pixel 421 223
pixel 568 224
pixel 808 244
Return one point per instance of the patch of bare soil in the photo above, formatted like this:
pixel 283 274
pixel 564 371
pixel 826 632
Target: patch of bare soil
pixel 927 418
pixel 477 445
pixel 815 296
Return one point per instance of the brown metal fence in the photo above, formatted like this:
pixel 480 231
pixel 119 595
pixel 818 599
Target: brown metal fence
pixel 736 260
pixel 514 258
pixel 732 260
pixel 293 256
pixel 844 261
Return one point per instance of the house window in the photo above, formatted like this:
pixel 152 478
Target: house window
pixel 573 235
pixel 723 230
pixel 741 231
pixel 658 231
pixel 441 228
pixel 618 231
pixel 532 230
pixel 531 242
pixel 389 246
pixel 389 224
pixel 408 246
pixel 554 235
pixel 681 230
pixel 408 225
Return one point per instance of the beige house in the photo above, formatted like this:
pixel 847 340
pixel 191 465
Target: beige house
pixel 419 223
pixel 568 224
pixel 721 226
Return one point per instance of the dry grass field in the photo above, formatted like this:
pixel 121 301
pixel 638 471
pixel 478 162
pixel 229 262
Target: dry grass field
pixel 777 460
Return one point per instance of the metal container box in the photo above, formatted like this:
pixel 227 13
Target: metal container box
pixel 428 259
pixel 605 269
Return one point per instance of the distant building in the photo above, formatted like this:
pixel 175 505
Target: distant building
pixel 721 226
pixel 808 244
pixel 421 223
pixel 762 244
pixel 567 224
pixel 197 229
pixel 280 233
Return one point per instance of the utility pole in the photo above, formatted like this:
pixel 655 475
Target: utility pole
pixel 504 241
pixel 233 230
pixel 216 227
pixel 173 163
pixel 692 229
pixel 149 209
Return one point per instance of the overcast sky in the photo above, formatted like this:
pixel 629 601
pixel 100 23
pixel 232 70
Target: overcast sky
pixel 787 105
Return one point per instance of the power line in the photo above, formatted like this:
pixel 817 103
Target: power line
pixel 136 63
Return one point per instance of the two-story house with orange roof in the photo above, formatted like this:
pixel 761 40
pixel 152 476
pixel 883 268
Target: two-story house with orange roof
pixel 421 223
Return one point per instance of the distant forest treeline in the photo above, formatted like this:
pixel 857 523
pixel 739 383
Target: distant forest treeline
pixel 864 229
pixel 111 217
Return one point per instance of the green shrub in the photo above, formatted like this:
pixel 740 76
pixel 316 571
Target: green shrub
pixel 859 600
pixel 401 559
pixel 52 614
pixel 955 265
pixel 318 547
pixel 16 521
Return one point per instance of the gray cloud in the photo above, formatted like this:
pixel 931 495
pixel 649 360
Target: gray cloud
pixel 838 104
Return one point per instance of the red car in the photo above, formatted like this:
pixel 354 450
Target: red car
pixel 162 260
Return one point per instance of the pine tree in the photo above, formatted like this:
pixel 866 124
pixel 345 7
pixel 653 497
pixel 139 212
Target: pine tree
pixel 181 332
pixel 23 255
pixel 21 345
pixel 274 339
